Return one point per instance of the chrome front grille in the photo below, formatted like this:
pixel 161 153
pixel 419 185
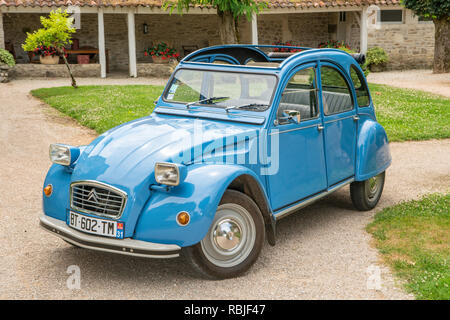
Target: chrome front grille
pixel 97 199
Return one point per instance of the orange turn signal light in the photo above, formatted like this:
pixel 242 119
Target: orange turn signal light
pixel 48 190
pixel 183 218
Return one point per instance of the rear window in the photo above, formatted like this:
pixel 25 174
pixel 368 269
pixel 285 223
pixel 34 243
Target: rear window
pixel 362 93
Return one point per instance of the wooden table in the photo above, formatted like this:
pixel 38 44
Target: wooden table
pixel 90 51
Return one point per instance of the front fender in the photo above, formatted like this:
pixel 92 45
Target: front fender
pixel 56 205
pixel 373 154
pixel 199 195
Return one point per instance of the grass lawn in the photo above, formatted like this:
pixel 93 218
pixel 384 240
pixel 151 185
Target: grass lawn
pixel 405 114
pixel 101 107
pixel 414 239
pixel 411 114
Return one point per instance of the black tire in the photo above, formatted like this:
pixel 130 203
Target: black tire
pixel 211 259
pixel 366 194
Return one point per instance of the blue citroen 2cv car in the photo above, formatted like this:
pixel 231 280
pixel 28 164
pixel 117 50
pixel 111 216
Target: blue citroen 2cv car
pixel 241 137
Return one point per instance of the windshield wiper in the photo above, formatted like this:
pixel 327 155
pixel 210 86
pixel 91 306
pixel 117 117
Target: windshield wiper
pixel 251 106
pixel 208 100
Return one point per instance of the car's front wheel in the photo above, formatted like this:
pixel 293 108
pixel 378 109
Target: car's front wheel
pixel 366 194
pixel 234 240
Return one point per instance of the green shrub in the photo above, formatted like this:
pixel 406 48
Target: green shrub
pixel 376 55
pixel 7 58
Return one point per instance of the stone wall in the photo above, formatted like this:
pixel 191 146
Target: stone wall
pixel 303 29
pixel 2 33
pixel 155 70
pixel 32 70
pixel 409 44
pixel 177 31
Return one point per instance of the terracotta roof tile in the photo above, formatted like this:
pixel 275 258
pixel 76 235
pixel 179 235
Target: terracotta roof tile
pixel 158 3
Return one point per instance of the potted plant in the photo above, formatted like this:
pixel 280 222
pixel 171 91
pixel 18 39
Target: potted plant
pixel 47 55
pixel 288 44
pixel 50 40
pixel 6 62
pixel 161 53
pixel 376 59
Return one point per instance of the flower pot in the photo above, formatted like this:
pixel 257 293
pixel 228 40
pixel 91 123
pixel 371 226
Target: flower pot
pixel 159 60
pixel 49 59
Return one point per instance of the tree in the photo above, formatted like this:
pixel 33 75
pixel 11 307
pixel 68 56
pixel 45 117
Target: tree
pixel 56 33
pixel 439 12
pixel 229 11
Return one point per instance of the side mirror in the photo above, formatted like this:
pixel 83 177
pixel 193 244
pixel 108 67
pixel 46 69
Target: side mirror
pixel 293 115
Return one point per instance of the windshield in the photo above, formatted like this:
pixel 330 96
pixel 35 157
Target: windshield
pixel 221 89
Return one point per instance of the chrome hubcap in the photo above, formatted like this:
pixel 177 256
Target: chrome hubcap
pixel 227 234
pixel 231 237
pixel 373 185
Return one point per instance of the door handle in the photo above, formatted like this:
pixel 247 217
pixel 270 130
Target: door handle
pixel 355 118
pixel 320 127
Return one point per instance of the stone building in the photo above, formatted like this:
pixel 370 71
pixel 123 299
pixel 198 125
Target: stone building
pixel 120 30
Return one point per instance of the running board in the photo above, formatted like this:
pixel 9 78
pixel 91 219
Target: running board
pixel 303 203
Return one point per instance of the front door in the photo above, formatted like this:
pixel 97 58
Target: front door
pixel 340 124
pixel 301 170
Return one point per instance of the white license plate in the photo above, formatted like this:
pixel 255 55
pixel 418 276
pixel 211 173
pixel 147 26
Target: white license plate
pixel 101 227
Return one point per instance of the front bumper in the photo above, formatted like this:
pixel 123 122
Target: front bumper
pixel 123 246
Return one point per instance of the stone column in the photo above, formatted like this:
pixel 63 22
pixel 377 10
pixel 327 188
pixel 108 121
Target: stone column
pixel 363 31
pixel 2 32
pixel 132 44
pixel 254 29
pixel 101 43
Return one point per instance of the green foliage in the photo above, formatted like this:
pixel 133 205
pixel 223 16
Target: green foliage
pixel 414 239
pixel 56 32
pixel 435 9
pixel 376 55
pixel 7 58
pixel 237 8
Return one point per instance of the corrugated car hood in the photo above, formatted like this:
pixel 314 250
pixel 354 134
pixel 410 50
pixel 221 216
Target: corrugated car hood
pixel 125 156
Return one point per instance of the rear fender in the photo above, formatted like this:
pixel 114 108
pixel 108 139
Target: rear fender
pixel 373 154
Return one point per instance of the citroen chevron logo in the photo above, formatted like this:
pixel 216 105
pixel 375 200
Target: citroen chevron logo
pixel 92 196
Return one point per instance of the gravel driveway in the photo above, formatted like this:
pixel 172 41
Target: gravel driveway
pixel 414 79
pixel 322 253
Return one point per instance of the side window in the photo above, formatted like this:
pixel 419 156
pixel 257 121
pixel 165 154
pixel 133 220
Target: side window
pixel 300 95
pixel 336 94
pixel 362 93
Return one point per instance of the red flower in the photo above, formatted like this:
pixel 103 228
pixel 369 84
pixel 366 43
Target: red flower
pixel 145 53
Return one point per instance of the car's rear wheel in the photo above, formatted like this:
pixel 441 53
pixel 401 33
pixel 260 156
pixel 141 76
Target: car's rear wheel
pixel 366 194
pixel 234 240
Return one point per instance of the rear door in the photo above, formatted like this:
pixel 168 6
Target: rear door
pixel 340 124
